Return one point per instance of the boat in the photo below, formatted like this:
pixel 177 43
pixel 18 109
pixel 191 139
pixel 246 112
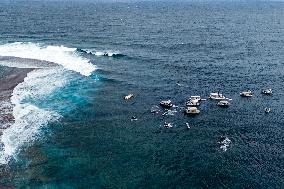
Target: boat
pixel 188 126
pixel 267 110
pixel 267 92
pixel 217 96
pixel 133 118
pixel 246 93
pixel 166 104
pixel 223 103
pixel 128 97
pixel 191 111
pixel 198 98
pixel 178 84
pixel 168 125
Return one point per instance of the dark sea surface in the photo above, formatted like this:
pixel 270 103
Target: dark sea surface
pixel 78 132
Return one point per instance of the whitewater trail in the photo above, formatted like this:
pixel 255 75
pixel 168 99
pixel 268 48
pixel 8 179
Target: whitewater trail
pixel 29 119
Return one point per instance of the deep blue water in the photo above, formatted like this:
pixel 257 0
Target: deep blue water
pixel 205 46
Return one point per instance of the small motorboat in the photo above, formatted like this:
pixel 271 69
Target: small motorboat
pixel 223 103
pixel 188 126
pixel 217 96
pixel 191 111
pixel 267 110
pixel 128 97
pixel 267 92
pixel 133 118
pixel 166 104
pixel 168 125
pixel 246 93
pixel 197 98
pixel 178 83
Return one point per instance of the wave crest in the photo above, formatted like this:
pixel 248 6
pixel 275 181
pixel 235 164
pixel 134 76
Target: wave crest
pixel 108 53
pixel 64 56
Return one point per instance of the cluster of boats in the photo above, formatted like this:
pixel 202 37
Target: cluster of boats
pixel 248 93
pixel 195 101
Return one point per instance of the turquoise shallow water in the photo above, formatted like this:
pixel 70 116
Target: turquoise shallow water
pixel 205 46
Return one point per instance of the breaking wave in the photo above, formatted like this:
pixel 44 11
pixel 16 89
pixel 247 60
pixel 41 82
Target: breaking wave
pixel 108 53
pixel 64 56
pixel 29 117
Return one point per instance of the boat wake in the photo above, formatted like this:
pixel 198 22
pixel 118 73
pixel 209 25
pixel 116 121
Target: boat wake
pixel 29 117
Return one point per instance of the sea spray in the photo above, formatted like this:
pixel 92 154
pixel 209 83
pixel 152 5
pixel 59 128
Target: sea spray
pixel 29 116
pixel 109 53
pixel 29 119
pixel 64 56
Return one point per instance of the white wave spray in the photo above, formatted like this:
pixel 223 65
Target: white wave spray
pixel 67 57
pixel 29 119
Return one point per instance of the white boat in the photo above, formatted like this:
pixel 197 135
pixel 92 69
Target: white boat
pixel 128 97
pixel 217 96
pixel 133 118
pixel 168 125
pixel 267 110
pixel 166 103
pixel 188 126
pixel 267 92
pixel 246 93
pixel 192 110
pixel 223 103
pixel 197 98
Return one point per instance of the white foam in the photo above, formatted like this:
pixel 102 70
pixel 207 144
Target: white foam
pixel 39 83
pixel 29 119
pixel 169 112
pixel 225 144
pixel 109 53
pixel 67 57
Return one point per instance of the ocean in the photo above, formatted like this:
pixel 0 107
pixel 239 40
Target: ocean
pixel 65 67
